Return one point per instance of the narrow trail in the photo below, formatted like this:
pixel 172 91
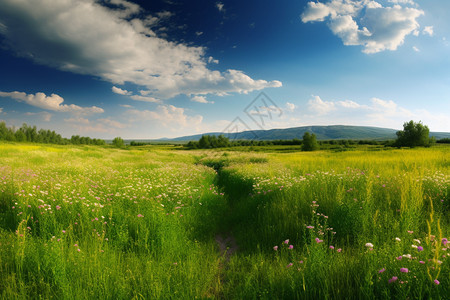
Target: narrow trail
pixel 227 245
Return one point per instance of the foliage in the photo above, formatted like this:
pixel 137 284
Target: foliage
pixel 309 142
pixel 31 134
pixel 118 142
pixel 414 135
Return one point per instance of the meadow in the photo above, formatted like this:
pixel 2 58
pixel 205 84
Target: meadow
pixel 91 222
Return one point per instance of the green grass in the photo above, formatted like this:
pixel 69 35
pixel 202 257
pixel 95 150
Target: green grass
pixel 81 222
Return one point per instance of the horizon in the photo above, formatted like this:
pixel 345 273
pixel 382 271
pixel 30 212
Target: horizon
pixel 169 69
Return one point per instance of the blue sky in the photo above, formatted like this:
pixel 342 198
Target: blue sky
pixel 169 68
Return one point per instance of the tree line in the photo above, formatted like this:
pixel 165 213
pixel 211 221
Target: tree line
pixel 413 135
pixel 31 134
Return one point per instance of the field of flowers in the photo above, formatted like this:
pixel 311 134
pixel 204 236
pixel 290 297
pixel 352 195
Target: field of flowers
pixel 95 222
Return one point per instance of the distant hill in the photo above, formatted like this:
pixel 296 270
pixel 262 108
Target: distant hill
pixel 333 132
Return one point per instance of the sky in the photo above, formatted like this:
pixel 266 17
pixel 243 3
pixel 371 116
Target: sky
pixel 154 69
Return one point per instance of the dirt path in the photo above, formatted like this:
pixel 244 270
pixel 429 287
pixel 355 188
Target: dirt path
pixel 227 245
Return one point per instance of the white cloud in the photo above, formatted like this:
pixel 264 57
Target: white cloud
pixel 78 120
pixel 52 102
pixel 126 105
pixel 348 104
pixel 167 116
pixel 200 99
pixel 198 33
pixel 212 60
pixel 220 6
pixel 320 107
pixel 290 106
pixel 145 98
pixel 416 49
pixel 410 2
pixel 113 123
pixel 1 110
pixel 45 116
pixel 428 30
pixel 118 45
pixel 120 91
pixel 366 23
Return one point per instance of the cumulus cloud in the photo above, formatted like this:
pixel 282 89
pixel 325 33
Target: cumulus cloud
pixel 145 98
pixel 348 104
pixel 116 41
pixel 1 110
pixel 168 116
pixel 290 106
pixel 416 49
pixel 200 99
pixel 52 102
pixel 428 30
pixel 317 105
pixel 119 91
pixel 366 23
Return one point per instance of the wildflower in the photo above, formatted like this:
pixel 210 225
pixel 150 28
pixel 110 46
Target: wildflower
pixel 444 241
pixel 369 245
pixel 394 278
pixel 310 227
pixel 289 265
pixel 339 250
pixel 331 247
pixel 436 282
pixel 419 248
pixel 291 246
pixel 140 216
pixel 422 262
pixel 404 270
pixel 78 250
pixel 275 248
pixel 417 241
pixel 63 231
pixel 399 258
pixel 407 256
pixel 318 241
pixel 414 246
pixel 382 270
pixel 76 245
pixel 398 239
pixel 286 241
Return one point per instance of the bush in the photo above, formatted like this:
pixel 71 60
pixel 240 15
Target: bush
pixel 414 135
pixel 309 142
pixel 118 142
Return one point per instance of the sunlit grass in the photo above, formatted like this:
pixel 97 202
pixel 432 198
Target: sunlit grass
pixel 97 222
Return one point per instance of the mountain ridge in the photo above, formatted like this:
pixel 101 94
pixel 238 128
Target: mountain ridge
pixel 325 132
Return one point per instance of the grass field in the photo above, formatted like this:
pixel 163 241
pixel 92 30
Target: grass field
pixel 103 223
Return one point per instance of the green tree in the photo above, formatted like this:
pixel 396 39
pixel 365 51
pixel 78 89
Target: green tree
pixel 309 142
pixel 118 142
pixel 413 135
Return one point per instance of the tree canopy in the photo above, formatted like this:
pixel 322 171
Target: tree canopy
pixel 414 135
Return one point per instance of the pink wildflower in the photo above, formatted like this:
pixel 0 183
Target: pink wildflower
pixel 394 278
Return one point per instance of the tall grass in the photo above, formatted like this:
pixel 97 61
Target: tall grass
pixel 87 222
pixel 91 222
